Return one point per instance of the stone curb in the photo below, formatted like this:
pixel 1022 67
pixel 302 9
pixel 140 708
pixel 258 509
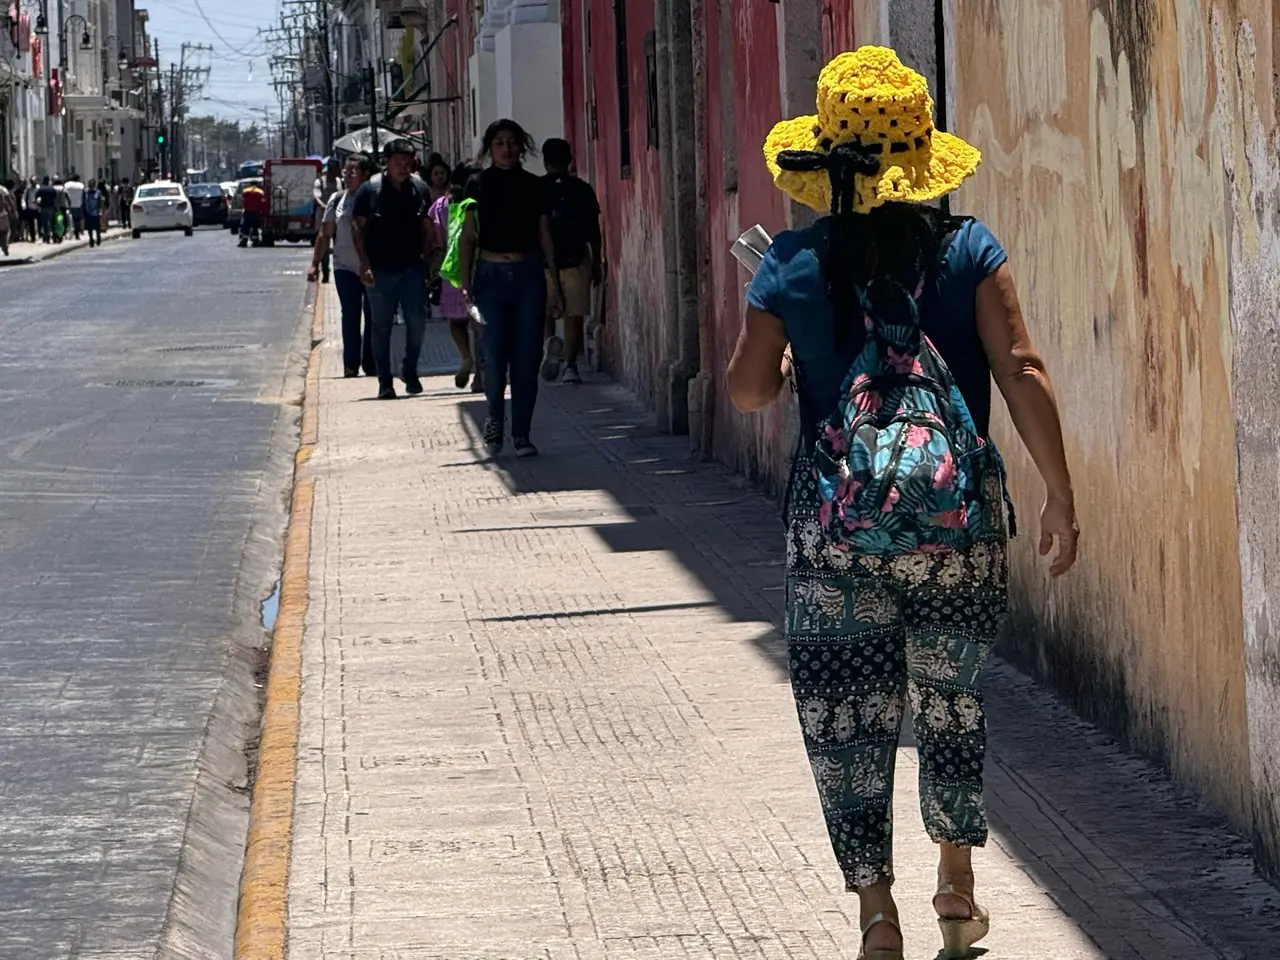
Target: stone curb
pixel 262 916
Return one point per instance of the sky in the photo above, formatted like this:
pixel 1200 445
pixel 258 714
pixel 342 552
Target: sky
pixel 239 84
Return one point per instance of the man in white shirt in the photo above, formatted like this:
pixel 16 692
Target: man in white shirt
pixel 336 235
pixel 324 189
pixel 74 188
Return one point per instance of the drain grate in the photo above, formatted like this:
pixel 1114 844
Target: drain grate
pixel 204 348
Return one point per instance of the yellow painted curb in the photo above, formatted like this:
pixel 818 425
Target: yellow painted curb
pixel 263 915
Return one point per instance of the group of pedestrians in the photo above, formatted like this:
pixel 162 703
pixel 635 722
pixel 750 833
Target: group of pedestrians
pixel 48 209
pixel 494 250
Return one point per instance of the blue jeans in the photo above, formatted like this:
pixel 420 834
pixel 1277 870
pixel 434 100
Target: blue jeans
pixel 357 350
pixel 407 290
pixel 512 299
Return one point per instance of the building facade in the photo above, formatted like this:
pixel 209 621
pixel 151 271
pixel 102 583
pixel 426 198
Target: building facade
pixel 68 90
pixel 1132 169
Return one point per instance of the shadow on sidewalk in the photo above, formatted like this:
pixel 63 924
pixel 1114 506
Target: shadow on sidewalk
pixel 716 526
pixel 1144 872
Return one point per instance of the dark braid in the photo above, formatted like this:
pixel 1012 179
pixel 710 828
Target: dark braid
pixel 896 242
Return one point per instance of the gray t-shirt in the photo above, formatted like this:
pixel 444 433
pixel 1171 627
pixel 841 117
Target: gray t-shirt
pixel 338 211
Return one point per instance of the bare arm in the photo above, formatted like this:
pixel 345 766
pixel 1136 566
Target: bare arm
pixel 322 247
pixel 1020 374
pixel 758 368
pixel 357 234
pixel 549 254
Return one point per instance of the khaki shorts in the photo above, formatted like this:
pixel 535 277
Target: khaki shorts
pixel 576 282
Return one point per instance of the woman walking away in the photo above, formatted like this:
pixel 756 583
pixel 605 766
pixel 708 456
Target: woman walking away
pixel 451 306
pixel 893 319
pixel 336 235
pixel 506 244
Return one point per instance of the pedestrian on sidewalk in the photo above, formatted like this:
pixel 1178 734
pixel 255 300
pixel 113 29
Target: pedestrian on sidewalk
pixel 505 249
pixel 575 231
pixel 31 210
pixel 451 306
pixel 126 204
pixel 337 234
pixel 91 206
pixel 438 176
pixel 47 200
pixel 323 191
pixel 393 242
pixel 74 189
pixel 897 515
pixel 8 216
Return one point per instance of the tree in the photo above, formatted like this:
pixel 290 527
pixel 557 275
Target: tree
pixel 227 142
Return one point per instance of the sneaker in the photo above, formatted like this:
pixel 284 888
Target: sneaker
pixel 493 436
pixel 412 386
pixel 464 373
pixel 524 448
pixel 571 374
pixel 387 392
pixel 552 358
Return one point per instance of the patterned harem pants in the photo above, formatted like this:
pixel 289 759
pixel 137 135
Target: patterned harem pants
pixel 865 635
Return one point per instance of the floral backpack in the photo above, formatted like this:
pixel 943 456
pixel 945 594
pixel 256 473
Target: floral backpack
pixel 899 465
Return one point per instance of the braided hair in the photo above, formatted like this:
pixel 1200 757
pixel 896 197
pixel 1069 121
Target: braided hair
pixel 875 262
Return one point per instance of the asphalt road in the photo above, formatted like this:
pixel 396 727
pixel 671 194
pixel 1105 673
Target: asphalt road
pixel 145 448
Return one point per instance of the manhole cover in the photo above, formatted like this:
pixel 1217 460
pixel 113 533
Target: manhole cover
pixel 204 348
pixel 171 384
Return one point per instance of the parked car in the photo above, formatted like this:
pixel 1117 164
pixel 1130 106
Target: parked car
pixel 208 203
pixel 161 206
pixel 236 210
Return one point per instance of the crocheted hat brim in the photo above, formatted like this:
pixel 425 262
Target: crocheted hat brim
pixel 903 178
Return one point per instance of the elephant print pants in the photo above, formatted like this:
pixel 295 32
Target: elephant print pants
pixel 865 636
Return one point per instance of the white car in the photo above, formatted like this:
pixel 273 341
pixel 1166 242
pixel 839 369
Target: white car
pixel 161 206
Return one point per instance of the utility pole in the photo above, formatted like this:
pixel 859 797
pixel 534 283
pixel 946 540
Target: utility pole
pixel 371 84
pixel 330 107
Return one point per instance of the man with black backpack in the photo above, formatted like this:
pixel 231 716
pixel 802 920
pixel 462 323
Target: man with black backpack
pixel 575 231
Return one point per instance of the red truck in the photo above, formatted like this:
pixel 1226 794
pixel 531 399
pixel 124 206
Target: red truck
pixel 288 183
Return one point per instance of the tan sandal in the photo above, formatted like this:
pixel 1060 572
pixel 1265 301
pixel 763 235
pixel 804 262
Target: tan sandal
pixel 959 935
pixel 881 953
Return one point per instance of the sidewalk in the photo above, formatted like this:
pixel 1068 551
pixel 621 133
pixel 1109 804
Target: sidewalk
pixel 545 715
pixel 23 253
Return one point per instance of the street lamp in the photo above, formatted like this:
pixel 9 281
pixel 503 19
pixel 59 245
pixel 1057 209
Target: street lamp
pixel 86 41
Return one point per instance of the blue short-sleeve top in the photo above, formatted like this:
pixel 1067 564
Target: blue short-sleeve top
pixel 789 284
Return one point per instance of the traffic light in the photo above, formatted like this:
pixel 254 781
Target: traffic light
pixel 396 73
pixel 160 139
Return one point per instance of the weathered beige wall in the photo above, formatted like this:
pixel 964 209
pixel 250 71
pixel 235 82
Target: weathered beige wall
pixel 1124 141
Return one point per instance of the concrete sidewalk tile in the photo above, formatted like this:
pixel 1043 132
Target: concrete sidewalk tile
pixel 546 717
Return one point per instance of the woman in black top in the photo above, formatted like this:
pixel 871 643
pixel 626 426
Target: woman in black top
pixel 506 243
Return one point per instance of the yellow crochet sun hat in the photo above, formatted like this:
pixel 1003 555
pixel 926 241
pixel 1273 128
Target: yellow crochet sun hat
pixel 872 142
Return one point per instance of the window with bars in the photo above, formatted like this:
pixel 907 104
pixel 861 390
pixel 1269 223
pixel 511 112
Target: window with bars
pixel 624 86
pixel 651 87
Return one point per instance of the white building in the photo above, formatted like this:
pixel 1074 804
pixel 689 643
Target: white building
pixel 21 101
pixel 506 56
